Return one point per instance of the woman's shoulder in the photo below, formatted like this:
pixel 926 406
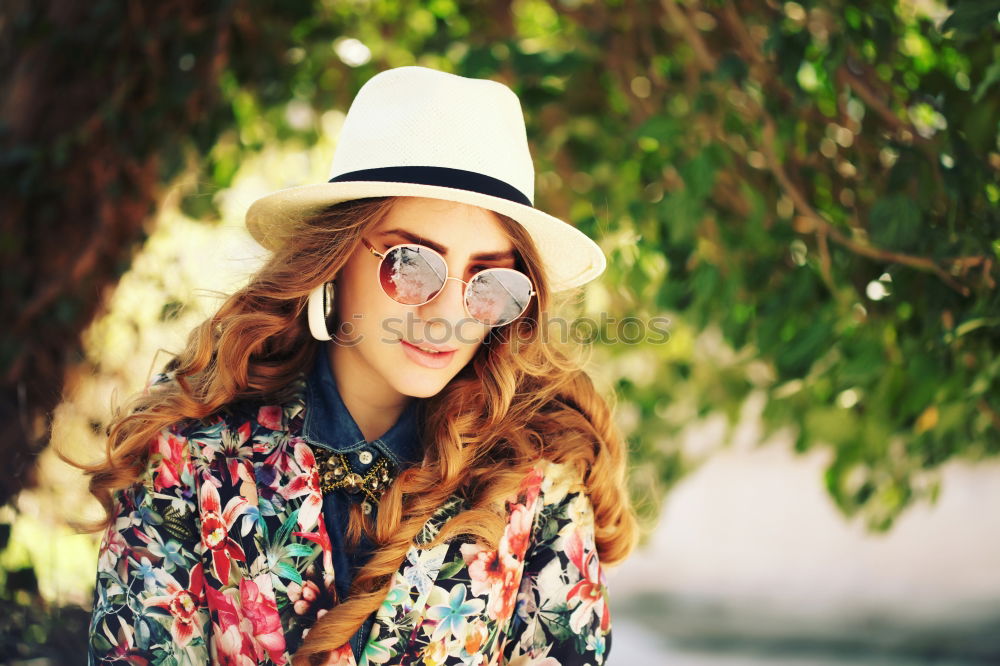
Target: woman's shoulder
pixel 235 435
pixel 558 479
pixel 562 497
pixel 186 448
pixel 248 413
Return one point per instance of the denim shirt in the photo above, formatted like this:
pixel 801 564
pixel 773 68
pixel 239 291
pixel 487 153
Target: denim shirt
pixel 329 424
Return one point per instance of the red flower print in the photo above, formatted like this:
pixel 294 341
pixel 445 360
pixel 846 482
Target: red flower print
pixel 531 485
pixel 305 483
pixel 485 567
pixel 269 416
pixel 215 527
pixel 589 590
pixel 174 461
pixel 237 451
pixel 182 604
pixel 322 538
pixel 232 635
pixel 247 628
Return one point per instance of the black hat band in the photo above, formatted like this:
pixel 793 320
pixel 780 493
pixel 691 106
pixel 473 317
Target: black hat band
pixel 462 179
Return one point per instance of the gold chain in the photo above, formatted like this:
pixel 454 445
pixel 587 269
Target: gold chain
pixel 335 471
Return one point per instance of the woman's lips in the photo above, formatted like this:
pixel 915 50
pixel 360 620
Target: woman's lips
pixel 426 359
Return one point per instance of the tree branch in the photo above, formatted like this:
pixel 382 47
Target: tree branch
pixel 803 205
pixel 683 23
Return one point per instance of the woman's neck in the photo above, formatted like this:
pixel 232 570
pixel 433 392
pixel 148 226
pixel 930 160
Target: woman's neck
pixel 374 404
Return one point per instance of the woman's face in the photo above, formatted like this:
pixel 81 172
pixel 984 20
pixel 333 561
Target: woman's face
pixel 380 335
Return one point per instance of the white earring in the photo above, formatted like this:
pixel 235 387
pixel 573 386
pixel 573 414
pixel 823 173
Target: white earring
pixel 320 310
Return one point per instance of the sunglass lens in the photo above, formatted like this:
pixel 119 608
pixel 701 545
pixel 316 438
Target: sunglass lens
pixel 498 296
pixel 411 275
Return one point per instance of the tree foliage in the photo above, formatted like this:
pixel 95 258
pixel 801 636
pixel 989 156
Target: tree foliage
pixel 813 183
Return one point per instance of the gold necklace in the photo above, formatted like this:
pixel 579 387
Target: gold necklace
pixel 336 471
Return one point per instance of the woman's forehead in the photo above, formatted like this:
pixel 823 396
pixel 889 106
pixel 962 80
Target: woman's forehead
pixel 444 225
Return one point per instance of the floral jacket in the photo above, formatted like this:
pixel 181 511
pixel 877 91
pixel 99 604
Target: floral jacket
pixel 220 555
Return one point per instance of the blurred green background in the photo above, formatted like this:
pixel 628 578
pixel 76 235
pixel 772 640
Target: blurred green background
pixel 808 191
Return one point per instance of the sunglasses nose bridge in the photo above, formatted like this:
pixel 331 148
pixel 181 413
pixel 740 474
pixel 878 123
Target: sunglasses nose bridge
pixel 444 286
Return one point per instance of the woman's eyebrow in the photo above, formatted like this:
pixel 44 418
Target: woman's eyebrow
pixel 414 238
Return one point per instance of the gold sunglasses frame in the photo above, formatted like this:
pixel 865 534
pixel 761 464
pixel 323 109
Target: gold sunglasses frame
pixel 378 276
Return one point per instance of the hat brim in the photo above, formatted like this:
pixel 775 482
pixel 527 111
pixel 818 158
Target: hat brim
pixel 571 258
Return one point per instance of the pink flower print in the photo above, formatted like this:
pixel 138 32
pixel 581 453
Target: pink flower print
pixel 279 459
pixel 492 573
pixel 182 604
pixel 269 416
pixel 495 572
pixel 228 646
pixel 232 643
pixel 236 450
pixel 112 547
pixel 304 457
pixel 503 596
pixel 259 606
pixel 518 530
pixel 173 463
pixel 531 485
pixel 484 566
pixel 589 589
pixel 294 592
pixel 305 483
pixel 215 527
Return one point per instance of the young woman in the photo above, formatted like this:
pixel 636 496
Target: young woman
pixel 375 453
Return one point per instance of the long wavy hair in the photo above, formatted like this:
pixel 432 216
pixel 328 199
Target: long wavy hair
pixel 524 396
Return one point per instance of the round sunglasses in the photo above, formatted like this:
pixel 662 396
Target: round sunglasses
pixel 413 274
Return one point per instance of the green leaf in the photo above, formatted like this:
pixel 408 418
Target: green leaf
pixel 287 571
pixel 299 549
pixel 833 424
pixel 451 568
pixel 100 643
pixel 291 522
pixel 557 626
pixel 895 222
pixel 991 76
pixel 971 17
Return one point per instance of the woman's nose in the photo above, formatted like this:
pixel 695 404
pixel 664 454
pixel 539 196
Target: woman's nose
pixel 446 310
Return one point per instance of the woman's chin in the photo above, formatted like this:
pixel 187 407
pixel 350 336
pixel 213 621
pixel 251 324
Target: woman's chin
pixel 421 384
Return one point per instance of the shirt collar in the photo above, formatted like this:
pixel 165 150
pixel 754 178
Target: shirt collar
pixel 328 422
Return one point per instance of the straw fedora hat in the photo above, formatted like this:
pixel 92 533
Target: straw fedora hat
pixel 417 131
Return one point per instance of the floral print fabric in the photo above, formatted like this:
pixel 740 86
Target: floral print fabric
pixel 220 555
